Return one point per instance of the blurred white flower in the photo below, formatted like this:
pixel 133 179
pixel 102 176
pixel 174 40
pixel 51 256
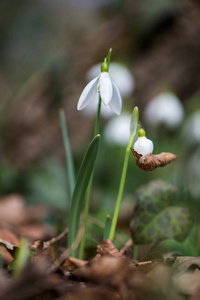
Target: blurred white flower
pixel 121 76
pixel 165 109
pixel 192 171
pixel 117 130
pixel 191 128
pixel 143 146
pixel 107 89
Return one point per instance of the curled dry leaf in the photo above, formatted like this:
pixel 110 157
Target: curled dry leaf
pixel 151 161
pixel 106 269
pixel 108 248
pixel 8 244
pixel 72 263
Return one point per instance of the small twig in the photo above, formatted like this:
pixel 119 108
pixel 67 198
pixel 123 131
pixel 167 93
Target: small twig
pixel 143 263
pixel 44 245
pixel 57 238
pixel 67 252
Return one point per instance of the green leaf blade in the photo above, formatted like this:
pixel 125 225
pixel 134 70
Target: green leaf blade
pixel 107 227
pixel 154 218
pixel 83 178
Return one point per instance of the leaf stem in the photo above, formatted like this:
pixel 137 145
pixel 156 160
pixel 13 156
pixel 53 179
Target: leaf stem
pixel 89 190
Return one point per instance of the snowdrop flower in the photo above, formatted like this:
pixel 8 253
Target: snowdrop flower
pixel 191 131
pixel 107 89
pixel 143 145
pixel 117 130
pixel 165 109
pixel 91 109
pixel 121 76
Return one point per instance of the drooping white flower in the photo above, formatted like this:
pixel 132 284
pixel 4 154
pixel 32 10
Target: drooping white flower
pixel 191 132
pixel 107 89
pixel 117 130
pixel 165 109
pixel 121 76
pixel 143 146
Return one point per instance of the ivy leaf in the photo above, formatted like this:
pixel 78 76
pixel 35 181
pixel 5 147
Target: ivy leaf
pixel 154 218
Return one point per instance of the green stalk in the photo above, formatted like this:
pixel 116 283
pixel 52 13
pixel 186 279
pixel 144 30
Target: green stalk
pixel 120 193
pixel 89 190
pixel 133 131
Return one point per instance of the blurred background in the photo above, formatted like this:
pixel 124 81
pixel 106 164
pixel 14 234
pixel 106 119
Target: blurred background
pixel 47 50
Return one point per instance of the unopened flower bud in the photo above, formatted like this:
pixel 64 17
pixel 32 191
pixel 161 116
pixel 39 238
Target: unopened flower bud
pixel 143 146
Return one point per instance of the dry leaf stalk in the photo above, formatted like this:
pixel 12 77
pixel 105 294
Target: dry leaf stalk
pixel 151 161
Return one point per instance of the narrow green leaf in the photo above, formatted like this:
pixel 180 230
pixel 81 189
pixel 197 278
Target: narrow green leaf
pixel 83 178
pixel 133 126
pixel 22 256
pixel 154 218
pixel 108 57
pixel 107 227
pixel 68 154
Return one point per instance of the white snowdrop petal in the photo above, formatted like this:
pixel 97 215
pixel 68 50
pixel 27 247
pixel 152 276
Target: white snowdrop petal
pixel 122 78
pixel 116 101
pixel 88 93
pixel 143 146
pixel 106 89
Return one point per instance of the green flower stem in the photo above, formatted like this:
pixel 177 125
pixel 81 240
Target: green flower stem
pixel 133 131
pixel 120 193
pixel 89 190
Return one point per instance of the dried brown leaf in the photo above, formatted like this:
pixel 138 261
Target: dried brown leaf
pixel 182 264
pixel 187 283
pixel 8 245
pixel 90 293
pixel 108 248
pixel 33 231
pixel 106 269
pixel 9 236
pixel 47 254
pixel 72 263
pixel 12 209
pixel 151 161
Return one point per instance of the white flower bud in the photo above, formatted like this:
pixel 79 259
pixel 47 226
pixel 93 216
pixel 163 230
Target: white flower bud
pixel 143 146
